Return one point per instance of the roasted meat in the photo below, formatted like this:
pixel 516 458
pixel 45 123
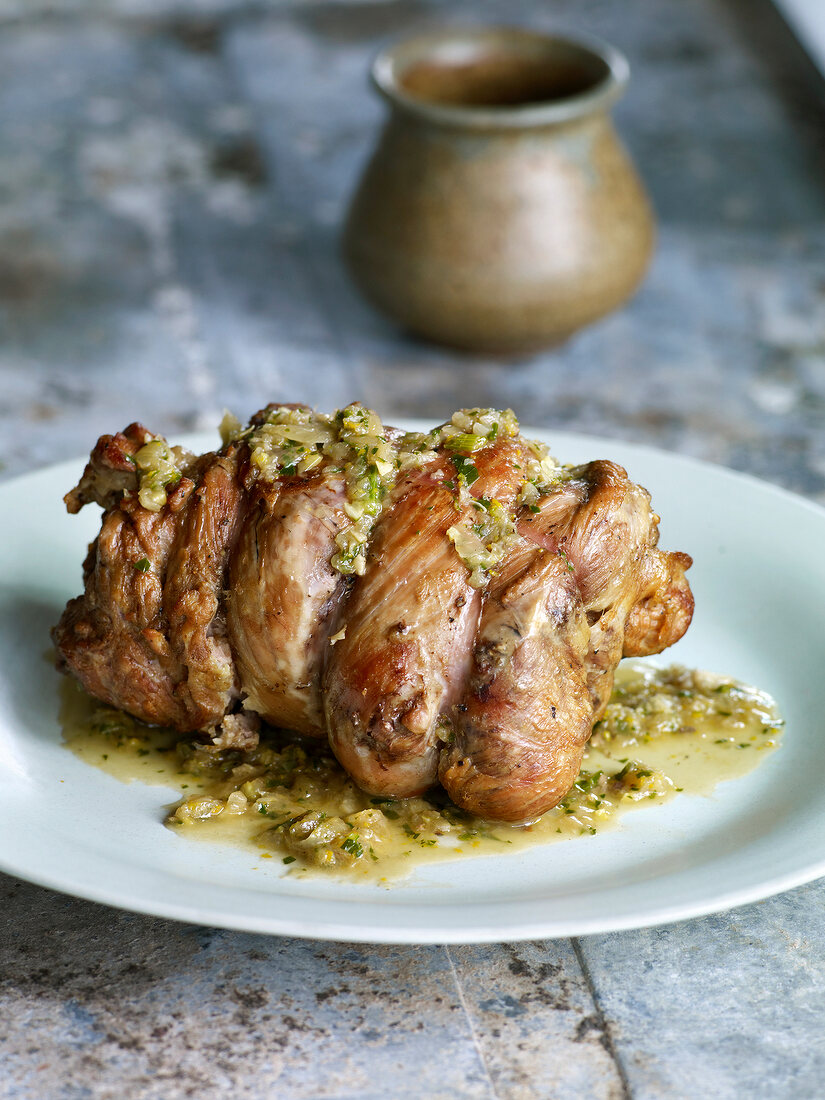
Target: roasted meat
pixel 443 607
pixel 284 598
pixel 148 635
pixel 410 624
pixel 519 734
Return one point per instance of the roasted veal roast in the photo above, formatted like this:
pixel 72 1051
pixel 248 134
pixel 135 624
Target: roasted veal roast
pixel 443 607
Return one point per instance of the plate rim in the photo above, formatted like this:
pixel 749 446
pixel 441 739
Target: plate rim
pixel 481 932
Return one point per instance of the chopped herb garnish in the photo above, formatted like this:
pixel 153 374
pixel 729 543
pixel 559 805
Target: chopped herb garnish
pixel 467 472
pixel 467 441
pixel 143 566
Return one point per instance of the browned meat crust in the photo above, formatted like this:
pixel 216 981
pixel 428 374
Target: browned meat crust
pixel 223 607
pixel 110 469
pixel 409 626
pixel 284 599
pixel 664 606
pixel 193 592
pixel 546 651
pixel 147 635
pixel 637 599
pixel 522 725
pixel 114 638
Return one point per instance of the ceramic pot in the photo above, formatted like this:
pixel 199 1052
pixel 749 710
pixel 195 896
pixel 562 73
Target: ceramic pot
pixel 499 211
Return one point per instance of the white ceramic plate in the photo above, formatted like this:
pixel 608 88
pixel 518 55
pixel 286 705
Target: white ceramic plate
pixel 807 20
pixel 759 581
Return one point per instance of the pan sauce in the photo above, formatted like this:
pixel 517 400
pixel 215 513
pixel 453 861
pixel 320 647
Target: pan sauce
pixel 666 731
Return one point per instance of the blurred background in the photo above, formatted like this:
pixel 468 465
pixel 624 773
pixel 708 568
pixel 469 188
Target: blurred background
pixel 173 178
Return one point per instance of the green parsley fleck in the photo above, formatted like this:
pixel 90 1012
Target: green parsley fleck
pixel 467 472
pixel 352 846
pixel 566 560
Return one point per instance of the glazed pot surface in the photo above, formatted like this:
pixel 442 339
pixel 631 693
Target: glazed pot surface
pixel 489 219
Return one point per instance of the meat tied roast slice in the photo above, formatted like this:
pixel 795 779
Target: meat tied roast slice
pixel 214 603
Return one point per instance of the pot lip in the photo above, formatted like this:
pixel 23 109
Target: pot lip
pixel 390 64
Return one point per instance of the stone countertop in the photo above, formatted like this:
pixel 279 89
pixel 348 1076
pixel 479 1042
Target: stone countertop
pixel 172 179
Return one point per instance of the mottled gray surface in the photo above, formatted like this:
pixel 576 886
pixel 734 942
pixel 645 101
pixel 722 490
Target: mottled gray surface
pixel 172 177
